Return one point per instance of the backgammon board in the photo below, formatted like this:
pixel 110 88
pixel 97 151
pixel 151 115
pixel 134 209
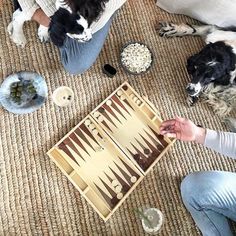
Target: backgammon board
pixel 112 149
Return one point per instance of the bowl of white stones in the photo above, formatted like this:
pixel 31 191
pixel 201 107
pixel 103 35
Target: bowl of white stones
pixel 136 58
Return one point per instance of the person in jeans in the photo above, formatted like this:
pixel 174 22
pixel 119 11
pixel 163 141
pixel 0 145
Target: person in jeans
pixel 76 57
pixel 210 196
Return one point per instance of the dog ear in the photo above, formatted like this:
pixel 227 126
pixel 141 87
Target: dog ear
pixel 233 63
pixel 57 33
pixel 191 62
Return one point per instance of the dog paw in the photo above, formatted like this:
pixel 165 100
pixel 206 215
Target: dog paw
pixel 190 101
pixel 231 124
pixel 167 29
pixel 19 40
pixel 17 37
pixel 43 34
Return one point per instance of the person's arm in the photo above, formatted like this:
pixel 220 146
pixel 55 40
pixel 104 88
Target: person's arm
pixel 222 142
pixel 185 130
pixel 40 17
pixel 38 12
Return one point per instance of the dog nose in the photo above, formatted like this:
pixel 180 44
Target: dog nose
pixel 190 90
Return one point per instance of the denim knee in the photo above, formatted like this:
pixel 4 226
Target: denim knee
pixel 76 67
pixel 197 187
pixel 188 186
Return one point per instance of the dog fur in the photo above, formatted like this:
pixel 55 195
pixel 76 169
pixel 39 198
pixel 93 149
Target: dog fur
pixel 72 24
pixel 213 69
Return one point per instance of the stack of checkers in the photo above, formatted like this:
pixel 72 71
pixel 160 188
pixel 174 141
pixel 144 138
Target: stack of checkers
pixel 118 187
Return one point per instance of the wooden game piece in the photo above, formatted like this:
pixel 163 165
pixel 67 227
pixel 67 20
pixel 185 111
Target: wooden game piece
pixel 118 188
pixel 92 126
pixel 133 179
pixel 125 87
pixel 109 102
pixel 87 122
pixel 132 96
pixel 119 92
pixel 100 118
pixel 119 196
pixel 96 114
pixel 146 151
pixel 114 201
pixel 114 183
pixel 138 102
pixel 122 97
pixel 95 132
pixel 136 156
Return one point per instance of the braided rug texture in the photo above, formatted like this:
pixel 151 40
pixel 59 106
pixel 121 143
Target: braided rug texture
pixel 35 197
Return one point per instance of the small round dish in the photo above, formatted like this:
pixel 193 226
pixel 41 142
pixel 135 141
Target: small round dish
pixel 126 68
pixel 28 103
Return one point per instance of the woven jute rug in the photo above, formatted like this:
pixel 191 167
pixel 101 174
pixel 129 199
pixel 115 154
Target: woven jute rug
pixel 35 197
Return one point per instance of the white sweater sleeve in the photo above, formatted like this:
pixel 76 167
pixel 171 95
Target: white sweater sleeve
pixel 110 8
pixel 222 142
pixel 30 6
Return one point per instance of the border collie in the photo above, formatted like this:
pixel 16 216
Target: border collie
pixel 213 69
pixel 63 23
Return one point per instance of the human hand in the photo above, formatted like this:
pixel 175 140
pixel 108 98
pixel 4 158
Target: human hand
pixel 183 129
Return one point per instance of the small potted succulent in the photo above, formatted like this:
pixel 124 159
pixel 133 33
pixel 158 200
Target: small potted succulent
pixel 22 92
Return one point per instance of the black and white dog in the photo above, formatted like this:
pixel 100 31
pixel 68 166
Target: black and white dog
pixel 213 69
pixel 64 23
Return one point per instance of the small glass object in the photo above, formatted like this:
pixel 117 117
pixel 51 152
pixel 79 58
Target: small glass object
pixel 152 220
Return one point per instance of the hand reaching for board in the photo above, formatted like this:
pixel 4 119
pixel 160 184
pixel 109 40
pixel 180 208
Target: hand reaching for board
pixel 183 129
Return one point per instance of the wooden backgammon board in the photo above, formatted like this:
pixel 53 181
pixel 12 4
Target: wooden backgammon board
pixel 112 149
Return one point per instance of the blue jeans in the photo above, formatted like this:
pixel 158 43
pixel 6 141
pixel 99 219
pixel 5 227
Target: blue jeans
pixel 210 197
pixel 78 57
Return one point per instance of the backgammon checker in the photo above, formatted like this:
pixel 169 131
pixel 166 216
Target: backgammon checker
pixel 112 149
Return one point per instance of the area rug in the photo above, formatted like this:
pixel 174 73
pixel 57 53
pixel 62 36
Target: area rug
pixel 35 197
